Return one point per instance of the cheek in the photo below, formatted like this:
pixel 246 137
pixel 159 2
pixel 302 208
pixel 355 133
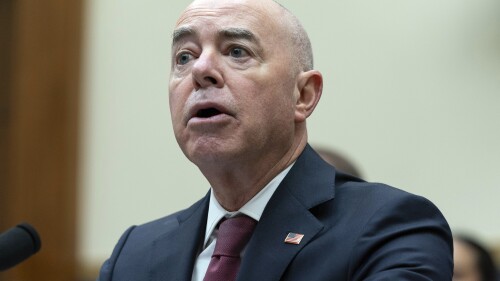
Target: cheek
pixel 274 109
pixel 176 116
pixel 173 102
pixel 171 96
pixel 178 93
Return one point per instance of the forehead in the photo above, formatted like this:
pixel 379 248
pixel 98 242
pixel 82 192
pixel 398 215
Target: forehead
pixel 224 14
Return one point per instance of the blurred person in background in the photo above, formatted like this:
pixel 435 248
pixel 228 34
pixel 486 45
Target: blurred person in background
pixel 473 261
pixel 339 161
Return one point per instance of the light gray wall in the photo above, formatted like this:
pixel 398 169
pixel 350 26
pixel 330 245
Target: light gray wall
pixel 412 94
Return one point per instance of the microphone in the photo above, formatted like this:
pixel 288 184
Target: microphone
pixel 18 244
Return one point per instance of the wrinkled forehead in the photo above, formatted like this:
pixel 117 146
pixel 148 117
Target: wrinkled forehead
pixel 252 15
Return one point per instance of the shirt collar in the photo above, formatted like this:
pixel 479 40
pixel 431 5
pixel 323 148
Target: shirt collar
pixel 253 208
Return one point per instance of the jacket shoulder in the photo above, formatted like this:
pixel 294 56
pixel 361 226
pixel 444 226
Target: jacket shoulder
pixel 134 244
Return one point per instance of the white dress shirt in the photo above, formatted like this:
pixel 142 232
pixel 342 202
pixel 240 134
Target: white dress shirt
pixel 253 208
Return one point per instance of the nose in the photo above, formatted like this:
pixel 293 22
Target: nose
pixel 207 71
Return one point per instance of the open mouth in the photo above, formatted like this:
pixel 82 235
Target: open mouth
pixel 207 112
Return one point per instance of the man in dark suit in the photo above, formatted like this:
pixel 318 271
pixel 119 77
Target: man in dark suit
pixel 241 88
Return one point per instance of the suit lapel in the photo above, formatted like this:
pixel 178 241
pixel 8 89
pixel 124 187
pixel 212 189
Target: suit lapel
pixel 309 183
pixel 267 255
pixel 173 254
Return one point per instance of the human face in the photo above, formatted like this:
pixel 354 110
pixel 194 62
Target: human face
pixel 232 90
pixel 465 260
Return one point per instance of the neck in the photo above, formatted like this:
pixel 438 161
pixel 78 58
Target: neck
pixel 234 185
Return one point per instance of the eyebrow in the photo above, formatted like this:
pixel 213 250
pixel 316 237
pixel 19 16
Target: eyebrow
pixel 228 33
pixel 238 33
pixel 182 32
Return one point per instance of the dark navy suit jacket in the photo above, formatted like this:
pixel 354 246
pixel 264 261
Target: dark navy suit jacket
pixel 353 230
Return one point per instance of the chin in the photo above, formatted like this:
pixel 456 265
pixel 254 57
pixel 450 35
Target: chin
pixel 209 153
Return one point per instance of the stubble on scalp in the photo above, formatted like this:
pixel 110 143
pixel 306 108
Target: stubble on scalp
pixel 299 40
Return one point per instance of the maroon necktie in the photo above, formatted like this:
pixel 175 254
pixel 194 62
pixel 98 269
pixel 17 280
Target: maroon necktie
pixel 232 237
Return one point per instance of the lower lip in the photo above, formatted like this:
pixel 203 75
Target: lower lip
pixel 219 118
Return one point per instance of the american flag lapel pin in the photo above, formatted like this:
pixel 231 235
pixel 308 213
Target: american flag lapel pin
pixel 294 238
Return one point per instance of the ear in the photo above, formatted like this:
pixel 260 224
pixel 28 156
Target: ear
pixel 310 87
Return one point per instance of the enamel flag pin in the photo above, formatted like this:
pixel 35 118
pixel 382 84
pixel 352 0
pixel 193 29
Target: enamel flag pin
pixel 294 238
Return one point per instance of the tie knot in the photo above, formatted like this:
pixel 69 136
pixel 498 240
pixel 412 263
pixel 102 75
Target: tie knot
pixel 233 235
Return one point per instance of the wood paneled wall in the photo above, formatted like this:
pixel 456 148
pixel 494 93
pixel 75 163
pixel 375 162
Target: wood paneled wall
pixel 39 101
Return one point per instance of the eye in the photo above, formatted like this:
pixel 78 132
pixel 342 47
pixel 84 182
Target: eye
pixel 183 58
pixel 238 52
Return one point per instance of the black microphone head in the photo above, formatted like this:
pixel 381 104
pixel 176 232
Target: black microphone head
pixel 18 244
